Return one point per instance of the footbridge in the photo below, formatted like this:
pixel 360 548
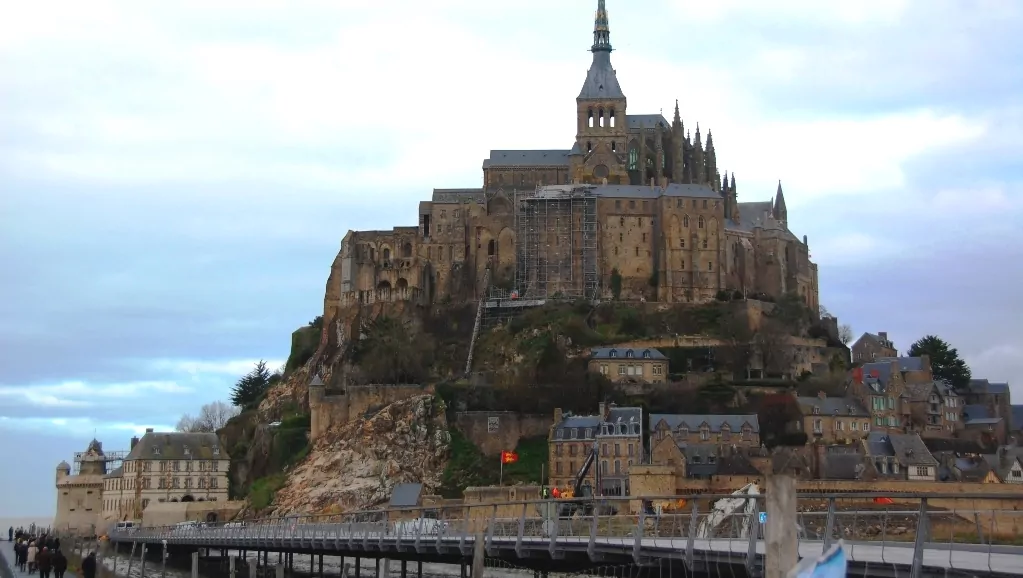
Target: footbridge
pixel 668 535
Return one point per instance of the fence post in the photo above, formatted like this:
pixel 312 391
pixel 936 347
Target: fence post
pixel 195 564
pixel 781 540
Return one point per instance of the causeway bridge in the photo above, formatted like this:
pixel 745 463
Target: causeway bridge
pixel 883 535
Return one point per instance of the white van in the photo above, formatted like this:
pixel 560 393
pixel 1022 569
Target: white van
pixel 125 527
pixel 185 526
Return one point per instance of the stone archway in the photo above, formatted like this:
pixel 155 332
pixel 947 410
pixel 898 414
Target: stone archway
pixel 383 291
pixel 211 517
pixel 187 498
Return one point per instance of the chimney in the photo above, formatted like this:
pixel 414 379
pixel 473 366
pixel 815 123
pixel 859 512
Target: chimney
pixel 653 182
pixel 558 415
pixel 602 409
pixel 822 395
pixel 134 442
pixel 149 430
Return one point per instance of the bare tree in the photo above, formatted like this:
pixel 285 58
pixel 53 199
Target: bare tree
pixel 772 345
pixel 736 351
pixel 845 334
pixel 212 416
pixel 823 312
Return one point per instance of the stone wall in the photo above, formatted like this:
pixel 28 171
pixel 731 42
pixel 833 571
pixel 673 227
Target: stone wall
pixel 496 431
pixel 327 411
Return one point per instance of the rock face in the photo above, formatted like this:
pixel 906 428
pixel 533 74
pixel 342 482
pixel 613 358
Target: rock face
pixel 357 465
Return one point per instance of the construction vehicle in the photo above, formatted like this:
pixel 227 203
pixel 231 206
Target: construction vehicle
pixel 580 497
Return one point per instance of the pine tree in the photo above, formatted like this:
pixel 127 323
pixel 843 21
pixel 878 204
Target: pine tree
pixel 945 361
pixel 251 388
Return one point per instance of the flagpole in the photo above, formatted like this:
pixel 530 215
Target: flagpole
pixel 501 479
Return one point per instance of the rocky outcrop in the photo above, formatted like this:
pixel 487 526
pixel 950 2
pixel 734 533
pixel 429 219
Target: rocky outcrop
pixel 357 465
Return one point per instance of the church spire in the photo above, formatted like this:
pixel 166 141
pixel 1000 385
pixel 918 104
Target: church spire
pixel 601 30
pixel 781 212
pixel 678 118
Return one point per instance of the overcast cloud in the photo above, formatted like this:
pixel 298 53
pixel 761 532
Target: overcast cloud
pixel 177 177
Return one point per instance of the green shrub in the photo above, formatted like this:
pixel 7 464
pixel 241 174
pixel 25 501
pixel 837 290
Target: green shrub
pixel 263 490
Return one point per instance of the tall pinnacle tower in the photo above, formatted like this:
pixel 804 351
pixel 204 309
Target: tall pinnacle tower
pixel 602 132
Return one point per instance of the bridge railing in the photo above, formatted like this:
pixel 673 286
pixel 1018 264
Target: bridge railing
pixel 729 525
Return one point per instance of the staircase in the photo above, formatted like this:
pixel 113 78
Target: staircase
pixel 479 319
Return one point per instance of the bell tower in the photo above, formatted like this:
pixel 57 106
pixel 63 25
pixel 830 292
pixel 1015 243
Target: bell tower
pixel 601 135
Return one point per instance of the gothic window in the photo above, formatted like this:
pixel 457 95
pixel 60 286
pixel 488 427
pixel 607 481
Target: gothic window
pixel 589 146
pixel 490 248
pixel 406 250
pixel 611 119
pixel 601 117
pixel 701 223
pixel 685 224
pixel 678 203
pixel 589 121
pixel 621 221
pixel 633 158
pixel 387 254
pixel 613 149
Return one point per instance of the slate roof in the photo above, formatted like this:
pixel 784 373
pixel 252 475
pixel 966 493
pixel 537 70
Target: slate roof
pixel 1017 417
pixel 756 215
pixel 406 495
pixel 616 415
pixel 1003 466
pixel 879 373
pixel 982 386
pixel 117 473
pixel 458 195
pixel 641 121
pixel 842 406
pixel 601 81
pixel 959 446
pixel 843 466
pixel 975 411
pixel 909 449
pixel 905 363
pixel 970 470
pixel 623 353
pixel 173 446
pixel 694 421
pixel 984 421
pixel 736 465
pixel 527 158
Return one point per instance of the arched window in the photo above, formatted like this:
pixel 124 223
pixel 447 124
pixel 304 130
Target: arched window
pixel 406 250
pixel 701 223
pixel 589 115
pixel 601 116
pixel 633 158
pixel 490 248
pixel 685 222
pixel 387 254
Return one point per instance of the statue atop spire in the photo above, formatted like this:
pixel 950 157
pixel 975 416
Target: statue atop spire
pixel 601 30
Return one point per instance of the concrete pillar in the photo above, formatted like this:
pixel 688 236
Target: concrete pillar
pixel 195 564
pixel 404 569
pixel 321 565
pixel 781 537
pixel 419 570
pixel 377 574
pixel 358 567
pixel 230 567
pixel 254 568
pixel 280 571
pixel 478 556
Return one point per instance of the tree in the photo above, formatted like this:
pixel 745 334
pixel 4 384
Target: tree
pixel 772 346
pixel 390 352
pixel 212 417
pixel 251 388
pixel 845 334
pixel 616 283
pixel 777 415
pixel 736 351
pixel 945 361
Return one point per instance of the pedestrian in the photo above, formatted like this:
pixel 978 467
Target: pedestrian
pixel 19 555
pixel 89 566
pixel 44 562
pixel 59 563
pixel 31 557
pixel 10 533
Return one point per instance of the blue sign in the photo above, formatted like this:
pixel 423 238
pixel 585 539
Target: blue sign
pixel 763 517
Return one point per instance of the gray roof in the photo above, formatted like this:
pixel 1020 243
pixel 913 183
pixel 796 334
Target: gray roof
pixel 1017 417
pixel 63 465
pixel 601 81
pixel 905 363
pixel 316 381
pixel 960 446
pixel 527 158
pixel 694 421
pixel 580 423
pixel 843 466
pixel 641 121
pixel 457 195
pixel 971 470
pixel 981 386
pixel 117 473
pixel 406 495
pixel 975 411
pixel 877 373
pixel 984 421
pixel 173 446
pixel 847 406
pixel 909 449
pixel 605 353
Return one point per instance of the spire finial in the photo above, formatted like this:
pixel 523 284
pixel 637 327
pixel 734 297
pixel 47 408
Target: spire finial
pixel 601 30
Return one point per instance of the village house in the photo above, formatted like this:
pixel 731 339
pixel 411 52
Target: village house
pixel 996 398
pixel 617 435
pixel 832 420
pixel 721 430
pixel 871 346
pixel 1007 463
pixel 625 364
pixel 880 388
pixel 934 408
pixel 899 457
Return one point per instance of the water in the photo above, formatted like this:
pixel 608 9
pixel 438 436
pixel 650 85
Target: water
pixel 331 568
pixel 39 521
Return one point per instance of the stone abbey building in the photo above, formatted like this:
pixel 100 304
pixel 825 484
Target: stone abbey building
pixel 636 205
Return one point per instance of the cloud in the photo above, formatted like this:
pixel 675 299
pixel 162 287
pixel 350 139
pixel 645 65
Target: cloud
pixel 82 428
pixel 234 368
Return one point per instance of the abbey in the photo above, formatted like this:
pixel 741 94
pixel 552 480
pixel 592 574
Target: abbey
pixel 637 206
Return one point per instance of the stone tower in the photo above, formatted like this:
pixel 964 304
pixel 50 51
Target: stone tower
pixel 63 471
pixel 601 127
pixel 94 462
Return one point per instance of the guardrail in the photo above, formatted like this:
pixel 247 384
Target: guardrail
pixel 6 566
pixel 910 527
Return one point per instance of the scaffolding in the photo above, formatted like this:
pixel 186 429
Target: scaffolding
pixel 555 250
pixel 111 460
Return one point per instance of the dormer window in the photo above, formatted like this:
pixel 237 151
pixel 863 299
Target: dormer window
pixel 629 354
pixel 216 450
pixel 612 353
pixel 588 433
pixel 187 451
pixel 575 432
pixel 558 434
pixel 156 450
pixel 646 355
pixel 816 410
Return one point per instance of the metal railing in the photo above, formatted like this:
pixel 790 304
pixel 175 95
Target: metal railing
pixel 972 533
pixel 6 566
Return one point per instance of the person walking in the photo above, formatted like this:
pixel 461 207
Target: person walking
pixel 89 566
pixel 45 562
pixel 59 563
pixel 10 534
pixel 19 554
pixel 30 557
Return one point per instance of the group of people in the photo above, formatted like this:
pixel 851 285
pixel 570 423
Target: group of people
pixel 43 553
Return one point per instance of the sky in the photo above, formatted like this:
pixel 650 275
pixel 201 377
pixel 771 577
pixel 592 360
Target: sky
pixel 176 177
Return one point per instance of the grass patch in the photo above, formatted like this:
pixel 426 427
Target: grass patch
pixel 532 460
pixel 263 490
pixel 469 467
